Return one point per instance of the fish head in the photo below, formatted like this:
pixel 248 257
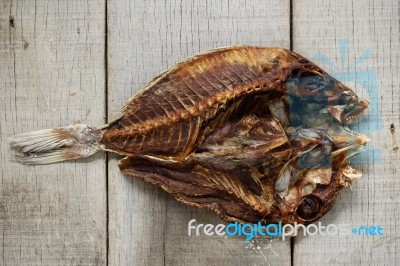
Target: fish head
pixel 320 94
pixel 306 190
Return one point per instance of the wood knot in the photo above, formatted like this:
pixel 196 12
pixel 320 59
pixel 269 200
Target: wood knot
pixel 11 20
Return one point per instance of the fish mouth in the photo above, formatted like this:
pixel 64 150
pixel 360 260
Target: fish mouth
pixel 350 113
pixel 349 175
pixel 351 146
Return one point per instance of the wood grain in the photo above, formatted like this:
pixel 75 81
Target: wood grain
pixel 375 199
pixel 147 227
pixel 51 74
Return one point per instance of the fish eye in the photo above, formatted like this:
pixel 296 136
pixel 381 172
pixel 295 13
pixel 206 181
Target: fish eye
pixel 309 208
pixel 344 98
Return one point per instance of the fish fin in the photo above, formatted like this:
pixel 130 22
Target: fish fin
pixel 56 144
pixel 197 186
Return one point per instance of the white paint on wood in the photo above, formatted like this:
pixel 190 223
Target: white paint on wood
pixel 51 74
pixel 147 227
pixel 375 197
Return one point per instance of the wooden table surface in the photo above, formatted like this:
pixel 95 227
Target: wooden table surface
pixel 64 62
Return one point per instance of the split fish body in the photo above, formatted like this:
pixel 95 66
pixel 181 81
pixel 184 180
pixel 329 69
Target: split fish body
pixel 251 133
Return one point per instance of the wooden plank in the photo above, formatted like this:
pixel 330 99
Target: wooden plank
pixel 147 227
pixel 375 199
pixel 51 74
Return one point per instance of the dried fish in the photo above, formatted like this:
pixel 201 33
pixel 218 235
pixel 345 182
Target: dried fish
pixel 251 133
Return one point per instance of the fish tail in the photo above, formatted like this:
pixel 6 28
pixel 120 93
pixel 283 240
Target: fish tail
pixel 56 144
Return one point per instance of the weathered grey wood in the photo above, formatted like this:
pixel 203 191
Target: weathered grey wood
pixel 147 227
pixel 375 199
pixel 51 74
